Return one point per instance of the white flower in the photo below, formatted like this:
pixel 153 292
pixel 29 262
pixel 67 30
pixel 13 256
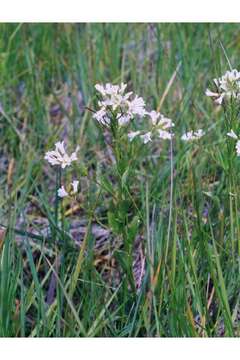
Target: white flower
pixel 199 133
pixel 232 135
pixel 163 134
pixel 235 137
pixel 75 186
pixel 154 116
pixel 192 135
pixel 229 81
pixel 165 123
pixel 101 117
pixel 123 119
pixel 113 98
pixel 62 192
pixel 187 136
pixel 132 135
pixel 136 107
pixel 218 98
pixel 228 86
pixel 160 123
pixel 112 95
pixel 160 120
pixel 59 156
pixel 146 137
pixel 211 93
pixel 114 102
pixel 110 89
pixel 238 147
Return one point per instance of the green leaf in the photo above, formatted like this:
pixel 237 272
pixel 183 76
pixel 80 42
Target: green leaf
pixel 133 228
pixel 125 177
pixel 106 184
pixel 114 223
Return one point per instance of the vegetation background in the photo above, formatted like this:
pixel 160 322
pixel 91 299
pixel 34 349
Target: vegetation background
pixel 74 282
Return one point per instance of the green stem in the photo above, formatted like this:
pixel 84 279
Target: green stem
pixel 122 196
pixel 56 206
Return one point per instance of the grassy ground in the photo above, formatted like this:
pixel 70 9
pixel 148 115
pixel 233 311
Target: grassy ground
pixel 67 273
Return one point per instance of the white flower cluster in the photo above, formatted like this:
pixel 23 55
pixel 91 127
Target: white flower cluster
pixel 124 106
pixel 192 135
pixel 227 87
pixel 60 157
pixel 63 193
pixel 235 137
pixel 160 125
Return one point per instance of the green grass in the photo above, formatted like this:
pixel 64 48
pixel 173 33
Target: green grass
pixel 188 238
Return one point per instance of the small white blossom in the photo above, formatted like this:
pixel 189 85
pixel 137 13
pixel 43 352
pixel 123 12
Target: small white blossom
pixel 160 120
pixel 59 156
pixel 165 123
pixel 154 116
pixel 235 137
pixel 199 133
pixel 160 124
pixel 146 137
pixel 238 147
pixel 211 93
pixel 192 135
pixel 188 136
pixel 232 135
pixel 163 134
pixel 75 186
pixel 101 117
pixel 62 192
pixel 113 95
pixel 228 86
pixel 133 134
pixel 218 98
pixel 109 89
pixel 136 107
pixel 123 119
